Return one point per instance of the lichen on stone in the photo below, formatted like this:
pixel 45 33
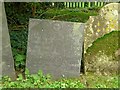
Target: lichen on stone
pixel 105 22
pixel 103 64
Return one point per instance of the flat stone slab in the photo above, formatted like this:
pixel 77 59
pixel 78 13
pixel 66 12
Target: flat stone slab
pixel 55 47
pixel 6 62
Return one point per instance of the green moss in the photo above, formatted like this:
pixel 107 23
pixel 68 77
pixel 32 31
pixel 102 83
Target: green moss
pixel 107 44
pixel 73 15
pixel 100 81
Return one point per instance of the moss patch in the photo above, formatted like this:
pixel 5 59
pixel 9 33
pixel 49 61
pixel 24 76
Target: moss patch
pixel 101 55
pixel 107 44
pixel 72 15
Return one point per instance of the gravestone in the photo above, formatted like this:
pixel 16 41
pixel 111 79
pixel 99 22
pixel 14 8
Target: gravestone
pixel 7 62
pixel 0 39
pixel 55 47
pixel 106 22
pixel 96 27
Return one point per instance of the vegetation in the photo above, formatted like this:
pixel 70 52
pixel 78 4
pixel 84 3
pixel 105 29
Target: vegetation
pixel 19 47
pixel 109 41
pixel 73 15
pixel 41 81
pixel 18 26
pixel 100 57
pixel 107 44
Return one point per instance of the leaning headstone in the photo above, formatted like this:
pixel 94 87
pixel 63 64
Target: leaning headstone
pixel 55 47
pixel 7 62
pixel 105 22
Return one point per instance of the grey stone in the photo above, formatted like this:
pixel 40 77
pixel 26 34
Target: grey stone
pixel 6 62
pixel 55 47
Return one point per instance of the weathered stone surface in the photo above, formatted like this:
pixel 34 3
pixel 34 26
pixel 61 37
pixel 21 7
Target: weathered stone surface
pixel 55 47
pixel 0 39
pixel 117 52
pixel 6 62
pixel 105 22
pixel 102 64
pixel 96 27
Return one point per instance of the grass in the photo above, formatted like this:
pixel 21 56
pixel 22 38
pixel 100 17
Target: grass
pixel 100 81
pixel 41 81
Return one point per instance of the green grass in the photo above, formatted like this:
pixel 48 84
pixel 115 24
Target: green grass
pixel 41 81
pixel 100 81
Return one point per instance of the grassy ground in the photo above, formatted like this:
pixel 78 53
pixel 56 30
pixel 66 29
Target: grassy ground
pixel 84 81
pixel 99 81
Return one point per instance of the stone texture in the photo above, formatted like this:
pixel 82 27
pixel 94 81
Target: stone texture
pixel 96 27
pixel 55 47
pixel 0 39
pixel 6 62
pixel 105 22
pixel 103 64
